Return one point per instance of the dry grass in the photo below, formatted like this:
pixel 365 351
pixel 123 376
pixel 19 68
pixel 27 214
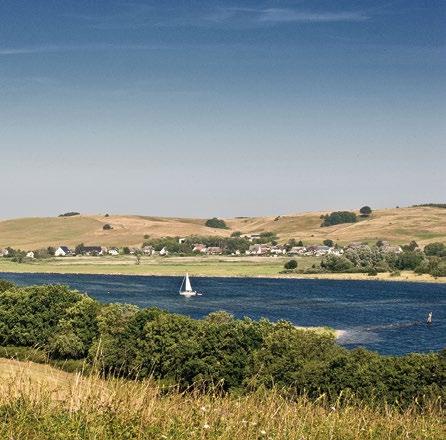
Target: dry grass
pixel 39 402
pixel 422 224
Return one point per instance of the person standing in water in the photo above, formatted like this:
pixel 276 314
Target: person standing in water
pixel 429 318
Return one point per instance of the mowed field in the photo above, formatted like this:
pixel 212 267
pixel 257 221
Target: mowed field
pixel 399 226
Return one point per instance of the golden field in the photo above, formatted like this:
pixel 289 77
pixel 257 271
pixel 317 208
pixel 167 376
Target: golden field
pixel 39 402
pixel 399 226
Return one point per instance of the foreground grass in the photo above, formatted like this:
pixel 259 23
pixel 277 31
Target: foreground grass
pixel 218 266
pixel 41 402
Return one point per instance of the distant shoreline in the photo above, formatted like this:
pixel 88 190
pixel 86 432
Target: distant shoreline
pixel 408 277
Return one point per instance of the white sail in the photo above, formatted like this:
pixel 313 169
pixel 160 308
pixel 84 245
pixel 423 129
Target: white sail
pixel 188 287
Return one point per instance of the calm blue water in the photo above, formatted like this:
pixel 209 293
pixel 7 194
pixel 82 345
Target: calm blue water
pixel 384 316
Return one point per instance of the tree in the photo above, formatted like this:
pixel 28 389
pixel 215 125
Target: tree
pixel 107 227
pixel 435 249
pixel 365 211
pixel 290 265
pixel 216 223
pixel 335 263
pixel 79 249
pixel 328 242
pixel 126 250
pixel 236 234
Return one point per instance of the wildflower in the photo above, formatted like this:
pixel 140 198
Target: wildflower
pixel 206 426
pixel 333 409
pixel 244 422
pixel 262 432
pixel 203 408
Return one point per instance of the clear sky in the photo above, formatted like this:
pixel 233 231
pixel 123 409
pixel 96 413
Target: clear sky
pixel 225 108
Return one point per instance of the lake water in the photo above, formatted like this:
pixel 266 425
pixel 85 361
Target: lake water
pixel 388 317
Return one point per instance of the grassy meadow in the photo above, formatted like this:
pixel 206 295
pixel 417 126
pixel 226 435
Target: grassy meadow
pixel 196 266
pixel 39 402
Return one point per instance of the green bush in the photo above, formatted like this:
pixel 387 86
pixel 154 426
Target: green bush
pixel 290 265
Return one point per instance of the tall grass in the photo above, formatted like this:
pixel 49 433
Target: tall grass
pixel 75 406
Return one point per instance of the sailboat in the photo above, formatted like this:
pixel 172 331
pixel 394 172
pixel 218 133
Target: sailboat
pixel 187 292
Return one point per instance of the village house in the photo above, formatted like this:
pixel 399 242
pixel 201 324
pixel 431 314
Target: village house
pixel 214 250
pixel 277 250
pixel 4 252
pixel 63 251
pixel 389 249
pixel 251 237
pixel 199 248
pixel 113 251
pixel 30 254
pixel 164 252
pixel 148 250
pixel 297 250
pixel 92 250
pixel 317 250
pixel 258 249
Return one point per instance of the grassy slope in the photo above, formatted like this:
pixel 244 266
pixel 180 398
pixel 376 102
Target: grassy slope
pixel 40 402
pixel 397 225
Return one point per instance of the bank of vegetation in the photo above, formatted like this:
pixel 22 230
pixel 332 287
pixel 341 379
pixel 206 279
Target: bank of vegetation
pixel 147 373
pixel 239 355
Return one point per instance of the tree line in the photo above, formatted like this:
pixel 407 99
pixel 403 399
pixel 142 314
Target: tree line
pixel 240 355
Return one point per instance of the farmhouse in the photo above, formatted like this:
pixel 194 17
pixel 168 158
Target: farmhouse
pixel 4 252
pixel 297 250
pixel 63 251
pixel 164 252
pixel 148 250
pixel 92 250
pixel 113 251
pixel 214 250
pixel 258 249
pixel 199 247
pixel 30 254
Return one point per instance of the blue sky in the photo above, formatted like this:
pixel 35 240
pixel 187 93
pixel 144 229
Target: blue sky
pixel 203 108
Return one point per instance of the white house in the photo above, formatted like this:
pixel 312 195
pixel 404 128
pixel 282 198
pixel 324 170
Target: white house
pixel 4 252
pixel 62 251
pixel 148 250
pixel 113 251
pixel 164 252
pixel 199 247
pixel 30 254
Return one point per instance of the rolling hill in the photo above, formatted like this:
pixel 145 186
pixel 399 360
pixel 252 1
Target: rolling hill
pixel 399 225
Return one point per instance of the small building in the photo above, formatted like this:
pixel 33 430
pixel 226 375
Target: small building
pixel 389 249
pixel 63 251
pixel 181 240
pixel 4 252
pixel 30 254
pixel 214 250
pixel 164 252
pixel 259 249
pixel 92 250
pixel 297 250
pixel 199 248
pixel 113 251
pixel 148 250
pixel 277 250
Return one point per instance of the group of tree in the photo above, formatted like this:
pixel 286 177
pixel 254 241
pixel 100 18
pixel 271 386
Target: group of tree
pixel 239 354
pixel 372 260
pixel 338 217
pixel 69 214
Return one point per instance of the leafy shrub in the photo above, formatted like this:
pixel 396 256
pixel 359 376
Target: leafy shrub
pixel 334 263
pixel 435 249
pixel 290 265
pixel 107 227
